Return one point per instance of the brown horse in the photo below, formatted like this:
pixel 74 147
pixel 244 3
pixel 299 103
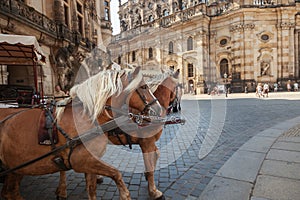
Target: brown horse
pixel 18 130
pixel 164 88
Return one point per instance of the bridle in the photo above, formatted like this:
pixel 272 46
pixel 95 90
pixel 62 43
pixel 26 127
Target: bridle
pixel 147 104
pixel 138 118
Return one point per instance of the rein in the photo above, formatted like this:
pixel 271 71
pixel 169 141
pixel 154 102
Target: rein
pixel 72 143
pixel 147 104
pixel 16 113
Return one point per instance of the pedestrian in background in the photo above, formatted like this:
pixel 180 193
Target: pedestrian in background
pixel 266 90
pixel 58 93
pixel 296 86
pixel 288 86
pixel 275 87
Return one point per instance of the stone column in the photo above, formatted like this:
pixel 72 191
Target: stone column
pixel 3 74
pixel 58 11
pixel 74 20
pixel 248 51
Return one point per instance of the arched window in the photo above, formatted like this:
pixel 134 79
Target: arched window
pixel 165 12
pixel 190 70
pixel 150 19
pixel 133 56
pixel 171 50
pixel 150 53
pixel 224 68
pixel 106 10
pixel 190 43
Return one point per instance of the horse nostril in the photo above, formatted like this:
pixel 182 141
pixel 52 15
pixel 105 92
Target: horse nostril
pixel 157 111
pixel 152 112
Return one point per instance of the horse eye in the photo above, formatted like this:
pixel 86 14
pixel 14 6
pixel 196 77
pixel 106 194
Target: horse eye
pixel 144 87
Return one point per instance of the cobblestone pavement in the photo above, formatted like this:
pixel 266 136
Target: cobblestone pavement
pixel 183 171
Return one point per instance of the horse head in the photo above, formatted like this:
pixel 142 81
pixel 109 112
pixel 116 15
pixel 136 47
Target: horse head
pixel 118 89
pixel 139 96
pixel 164 87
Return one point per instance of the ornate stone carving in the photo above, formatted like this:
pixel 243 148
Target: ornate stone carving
pixel 249 27
pixel 241 27
pixel 285 25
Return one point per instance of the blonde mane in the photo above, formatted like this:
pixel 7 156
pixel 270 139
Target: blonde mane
pixel 95 91
pixel 157 80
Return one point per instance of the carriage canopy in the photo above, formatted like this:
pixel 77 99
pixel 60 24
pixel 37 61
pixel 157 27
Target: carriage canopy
pixel 22 50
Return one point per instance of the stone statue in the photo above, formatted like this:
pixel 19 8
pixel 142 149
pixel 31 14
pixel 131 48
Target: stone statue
pixel 98 60
pixel 64 58
pixel 124 25
pixel 265 66
pixel 158 11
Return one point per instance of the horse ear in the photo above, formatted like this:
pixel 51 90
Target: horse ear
pixel 136 71
pixel 176 75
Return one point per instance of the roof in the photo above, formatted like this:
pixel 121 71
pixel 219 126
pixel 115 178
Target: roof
pixel 20 49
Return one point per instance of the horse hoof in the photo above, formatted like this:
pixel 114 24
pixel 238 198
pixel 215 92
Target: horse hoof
pixel 99 179
pixel 61 198
pixel 162 197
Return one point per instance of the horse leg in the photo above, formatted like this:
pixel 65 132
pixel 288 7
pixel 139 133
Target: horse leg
pixel 61 191
pixel 11 187
pixel 150 155
pixel 93 167
pixel 179 106
pixel 99 179
pixel 91 185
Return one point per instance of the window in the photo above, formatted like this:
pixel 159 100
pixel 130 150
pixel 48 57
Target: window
pixel 150 19
pixel 190 70
pixel 224 67
pixel 265 37
pixel 106 17
pixel 171 48
pixel 106 11
pixel 223 42
pixel 119 60
pixel 150 53
pixel 67 12
pixel 80 18
pixel 133 56
pixel 165 12
pixel 79 8
pixel 190 44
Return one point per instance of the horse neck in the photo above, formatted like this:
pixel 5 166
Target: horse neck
pixel 163 96
pixel 74 120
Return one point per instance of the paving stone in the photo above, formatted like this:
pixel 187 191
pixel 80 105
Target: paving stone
pixel 276 188
pixel 289 139
pixel 258 144
pixel 284 126
pixel 243 165
pixel 291 146
pixel 226 189
pixel 259 198
pixel 281 169
pixel 271 132
pixel 283 155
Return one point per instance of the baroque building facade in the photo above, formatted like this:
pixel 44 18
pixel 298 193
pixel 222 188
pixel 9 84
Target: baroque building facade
pixel 236 43
pixel 67 31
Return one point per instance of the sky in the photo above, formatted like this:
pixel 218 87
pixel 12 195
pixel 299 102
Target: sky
pixel 114 8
